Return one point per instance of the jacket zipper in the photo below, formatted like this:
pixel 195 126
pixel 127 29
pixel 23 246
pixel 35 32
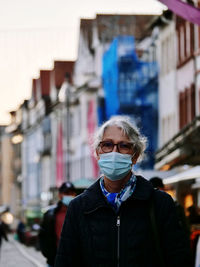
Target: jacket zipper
pixel 118 240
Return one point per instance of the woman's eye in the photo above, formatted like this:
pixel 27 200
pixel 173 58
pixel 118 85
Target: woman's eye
pixel 108 144
pixel 125 145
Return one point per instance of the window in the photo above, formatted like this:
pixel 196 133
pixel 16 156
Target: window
pixel 181 110
pixel 188 39
pixel 182 43
pixel 192 38
pixel 186 106
pixel 193 106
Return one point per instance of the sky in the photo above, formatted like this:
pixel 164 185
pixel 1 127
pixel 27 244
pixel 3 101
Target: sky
pixel 34 33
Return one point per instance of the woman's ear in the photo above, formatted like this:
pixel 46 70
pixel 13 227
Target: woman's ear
pixel 97 154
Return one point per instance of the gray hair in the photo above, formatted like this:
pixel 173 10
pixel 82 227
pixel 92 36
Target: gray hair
pixel 128 128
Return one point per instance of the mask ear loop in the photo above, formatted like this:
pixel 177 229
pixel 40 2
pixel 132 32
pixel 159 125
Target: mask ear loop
pixel 134 152
pixel 133 155
pixel 132 163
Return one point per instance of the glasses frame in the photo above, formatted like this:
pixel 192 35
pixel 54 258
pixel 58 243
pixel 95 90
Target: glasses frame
pixel 117 144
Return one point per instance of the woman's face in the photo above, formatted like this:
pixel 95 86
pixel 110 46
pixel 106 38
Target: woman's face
pixel 115 135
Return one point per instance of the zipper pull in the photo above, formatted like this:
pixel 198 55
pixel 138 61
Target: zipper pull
pixel 118 220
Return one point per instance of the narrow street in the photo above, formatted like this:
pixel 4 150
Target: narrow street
pixel 15 254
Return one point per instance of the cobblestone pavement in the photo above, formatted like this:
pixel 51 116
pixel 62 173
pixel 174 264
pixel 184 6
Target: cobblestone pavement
pixel 14 254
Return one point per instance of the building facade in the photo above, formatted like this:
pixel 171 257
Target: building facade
pixel 179 106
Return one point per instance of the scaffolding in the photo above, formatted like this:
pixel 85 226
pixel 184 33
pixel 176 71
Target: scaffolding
pixel 131 88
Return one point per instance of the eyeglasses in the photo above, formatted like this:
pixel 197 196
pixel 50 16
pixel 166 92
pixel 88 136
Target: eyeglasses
pixel 122 147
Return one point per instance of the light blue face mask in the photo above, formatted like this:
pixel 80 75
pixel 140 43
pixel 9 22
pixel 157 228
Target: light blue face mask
pixel 66 200
pixel 114 165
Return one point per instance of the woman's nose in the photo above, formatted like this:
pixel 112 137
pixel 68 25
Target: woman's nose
pixel 115 148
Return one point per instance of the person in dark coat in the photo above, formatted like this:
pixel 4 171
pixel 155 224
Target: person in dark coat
pixel 111 224
pixel 52 223
pixel 3 232
pixel 158 184
pixel 21 230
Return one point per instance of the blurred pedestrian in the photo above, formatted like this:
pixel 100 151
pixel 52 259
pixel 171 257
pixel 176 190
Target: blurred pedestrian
pixel 194 223
pixel 157 183
pixel 121 221
pixel 52 223
pixel 3 233
pixel 21 229
pixel 197 253
pixel 193 215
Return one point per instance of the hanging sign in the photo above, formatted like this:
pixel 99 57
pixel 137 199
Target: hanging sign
pixel 184 10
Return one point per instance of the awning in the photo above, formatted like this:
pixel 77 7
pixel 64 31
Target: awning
pixel 189 174
pixel 184 10
pixel 196 186
pixel 182 149
pixel 33 213
pixel 4 208
pixel 83 183
pixel 148 174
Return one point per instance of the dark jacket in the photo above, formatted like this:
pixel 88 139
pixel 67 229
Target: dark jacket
pixel 47 234
pixel 94 235
pixel 3 234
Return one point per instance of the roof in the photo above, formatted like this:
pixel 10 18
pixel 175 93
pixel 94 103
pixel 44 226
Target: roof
pixel 112 25
pixel 86 26
pixel 61 68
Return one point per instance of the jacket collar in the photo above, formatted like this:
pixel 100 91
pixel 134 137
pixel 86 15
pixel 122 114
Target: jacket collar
pixel 94 199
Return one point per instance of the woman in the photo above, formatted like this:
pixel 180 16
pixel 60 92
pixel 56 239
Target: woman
pixel 109 224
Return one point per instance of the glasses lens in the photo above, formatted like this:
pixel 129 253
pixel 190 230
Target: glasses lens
pixel 124 147
pixel 107 146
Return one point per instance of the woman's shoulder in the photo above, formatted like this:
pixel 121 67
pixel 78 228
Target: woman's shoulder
pixel 161 195
pixel 146 188
pixel 163 203
pixel 89 195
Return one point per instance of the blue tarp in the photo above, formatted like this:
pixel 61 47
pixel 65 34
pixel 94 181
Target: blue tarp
pixel 131 87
